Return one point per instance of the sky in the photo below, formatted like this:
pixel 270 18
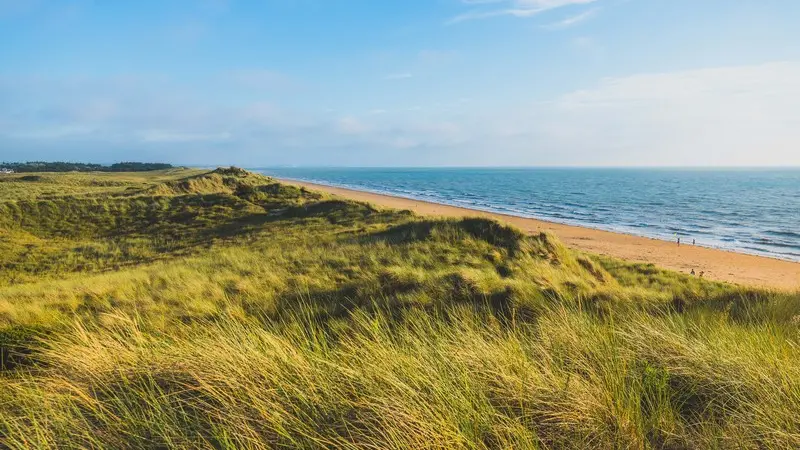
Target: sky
pixel 261 83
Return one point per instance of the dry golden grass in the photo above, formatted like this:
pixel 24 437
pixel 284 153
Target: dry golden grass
pixel 298 321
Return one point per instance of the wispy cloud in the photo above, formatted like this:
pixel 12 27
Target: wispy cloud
pixel 719 116
pixel 515 8
pixel 572 20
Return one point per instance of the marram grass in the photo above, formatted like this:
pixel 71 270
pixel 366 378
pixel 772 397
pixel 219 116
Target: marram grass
pixel 224 310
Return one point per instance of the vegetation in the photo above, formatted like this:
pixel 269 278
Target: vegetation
pixel 197 309
pixel 60 166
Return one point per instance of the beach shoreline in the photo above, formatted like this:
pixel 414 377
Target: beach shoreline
pixel 718 264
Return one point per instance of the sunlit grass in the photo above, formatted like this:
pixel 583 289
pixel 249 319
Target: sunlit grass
pixel 228 311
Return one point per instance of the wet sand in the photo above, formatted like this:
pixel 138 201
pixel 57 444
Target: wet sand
pixel 717 264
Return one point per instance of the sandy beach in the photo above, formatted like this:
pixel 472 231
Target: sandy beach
pixel 717 264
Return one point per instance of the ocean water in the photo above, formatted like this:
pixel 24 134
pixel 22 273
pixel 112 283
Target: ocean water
pixel 753 211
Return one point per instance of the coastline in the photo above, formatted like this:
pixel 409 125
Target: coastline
pixel 721 265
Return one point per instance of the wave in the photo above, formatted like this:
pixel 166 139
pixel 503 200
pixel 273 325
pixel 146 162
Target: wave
pixel 781 233
pixel 680 231
pixel 779 244
pixel 757 249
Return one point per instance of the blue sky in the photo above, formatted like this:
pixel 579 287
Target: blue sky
pixel 402 83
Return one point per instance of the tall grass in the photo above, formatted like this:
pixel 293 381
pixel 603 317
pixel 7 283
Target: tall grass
pixel 458 378
pixel 311 322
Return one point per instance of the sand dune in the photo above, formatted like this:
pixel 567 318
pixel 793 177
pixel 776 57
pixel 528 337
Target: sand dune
pixel 717 264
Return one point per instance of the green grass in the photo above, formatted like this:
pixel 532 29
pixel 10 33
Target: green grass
pixel 49 185
pixel 193 309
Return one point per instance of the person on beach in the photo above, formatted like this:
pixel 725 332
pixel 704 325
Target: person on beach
pixel 679 241
pixel 694 241
pixel 692 272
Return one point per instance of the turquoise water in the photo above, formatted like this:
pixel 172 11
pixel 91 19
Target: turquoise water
pixel 749 210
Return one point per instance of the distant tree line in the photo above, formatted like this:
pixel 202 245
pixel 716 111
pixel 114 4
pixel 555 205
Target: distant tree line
pixel 60 166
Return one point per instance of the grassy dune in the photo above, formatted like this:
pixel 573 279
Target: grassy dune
pixel 196 309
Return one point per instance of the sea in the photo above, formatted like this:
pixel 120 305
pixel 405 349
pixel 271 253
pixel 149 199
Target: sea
pixel 755 211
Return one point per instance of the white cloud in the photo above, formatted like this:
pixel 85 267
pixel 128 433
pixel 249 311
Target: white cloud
pixel 573 20
pixel 515 8
pixel 745 115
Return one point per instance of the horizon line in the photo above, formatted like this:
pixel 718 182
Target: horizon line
pixel 790 167
pixel 331 166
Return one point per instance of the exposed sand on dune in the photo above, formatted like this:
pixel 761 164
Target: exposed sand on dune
pixel 717 264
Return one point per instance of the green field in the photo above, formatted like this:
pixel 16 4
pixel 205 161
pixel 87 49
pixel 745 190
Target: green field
pixel 221 309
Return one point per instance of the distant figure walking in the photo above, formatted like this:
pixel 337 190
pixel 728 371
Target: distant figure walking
pixel 679 241
pixel 694 241
pixel 693 272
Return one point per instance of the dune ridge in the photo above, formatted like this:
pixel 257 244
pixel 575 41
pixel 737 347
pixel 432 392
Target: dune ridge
pixel 716 264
